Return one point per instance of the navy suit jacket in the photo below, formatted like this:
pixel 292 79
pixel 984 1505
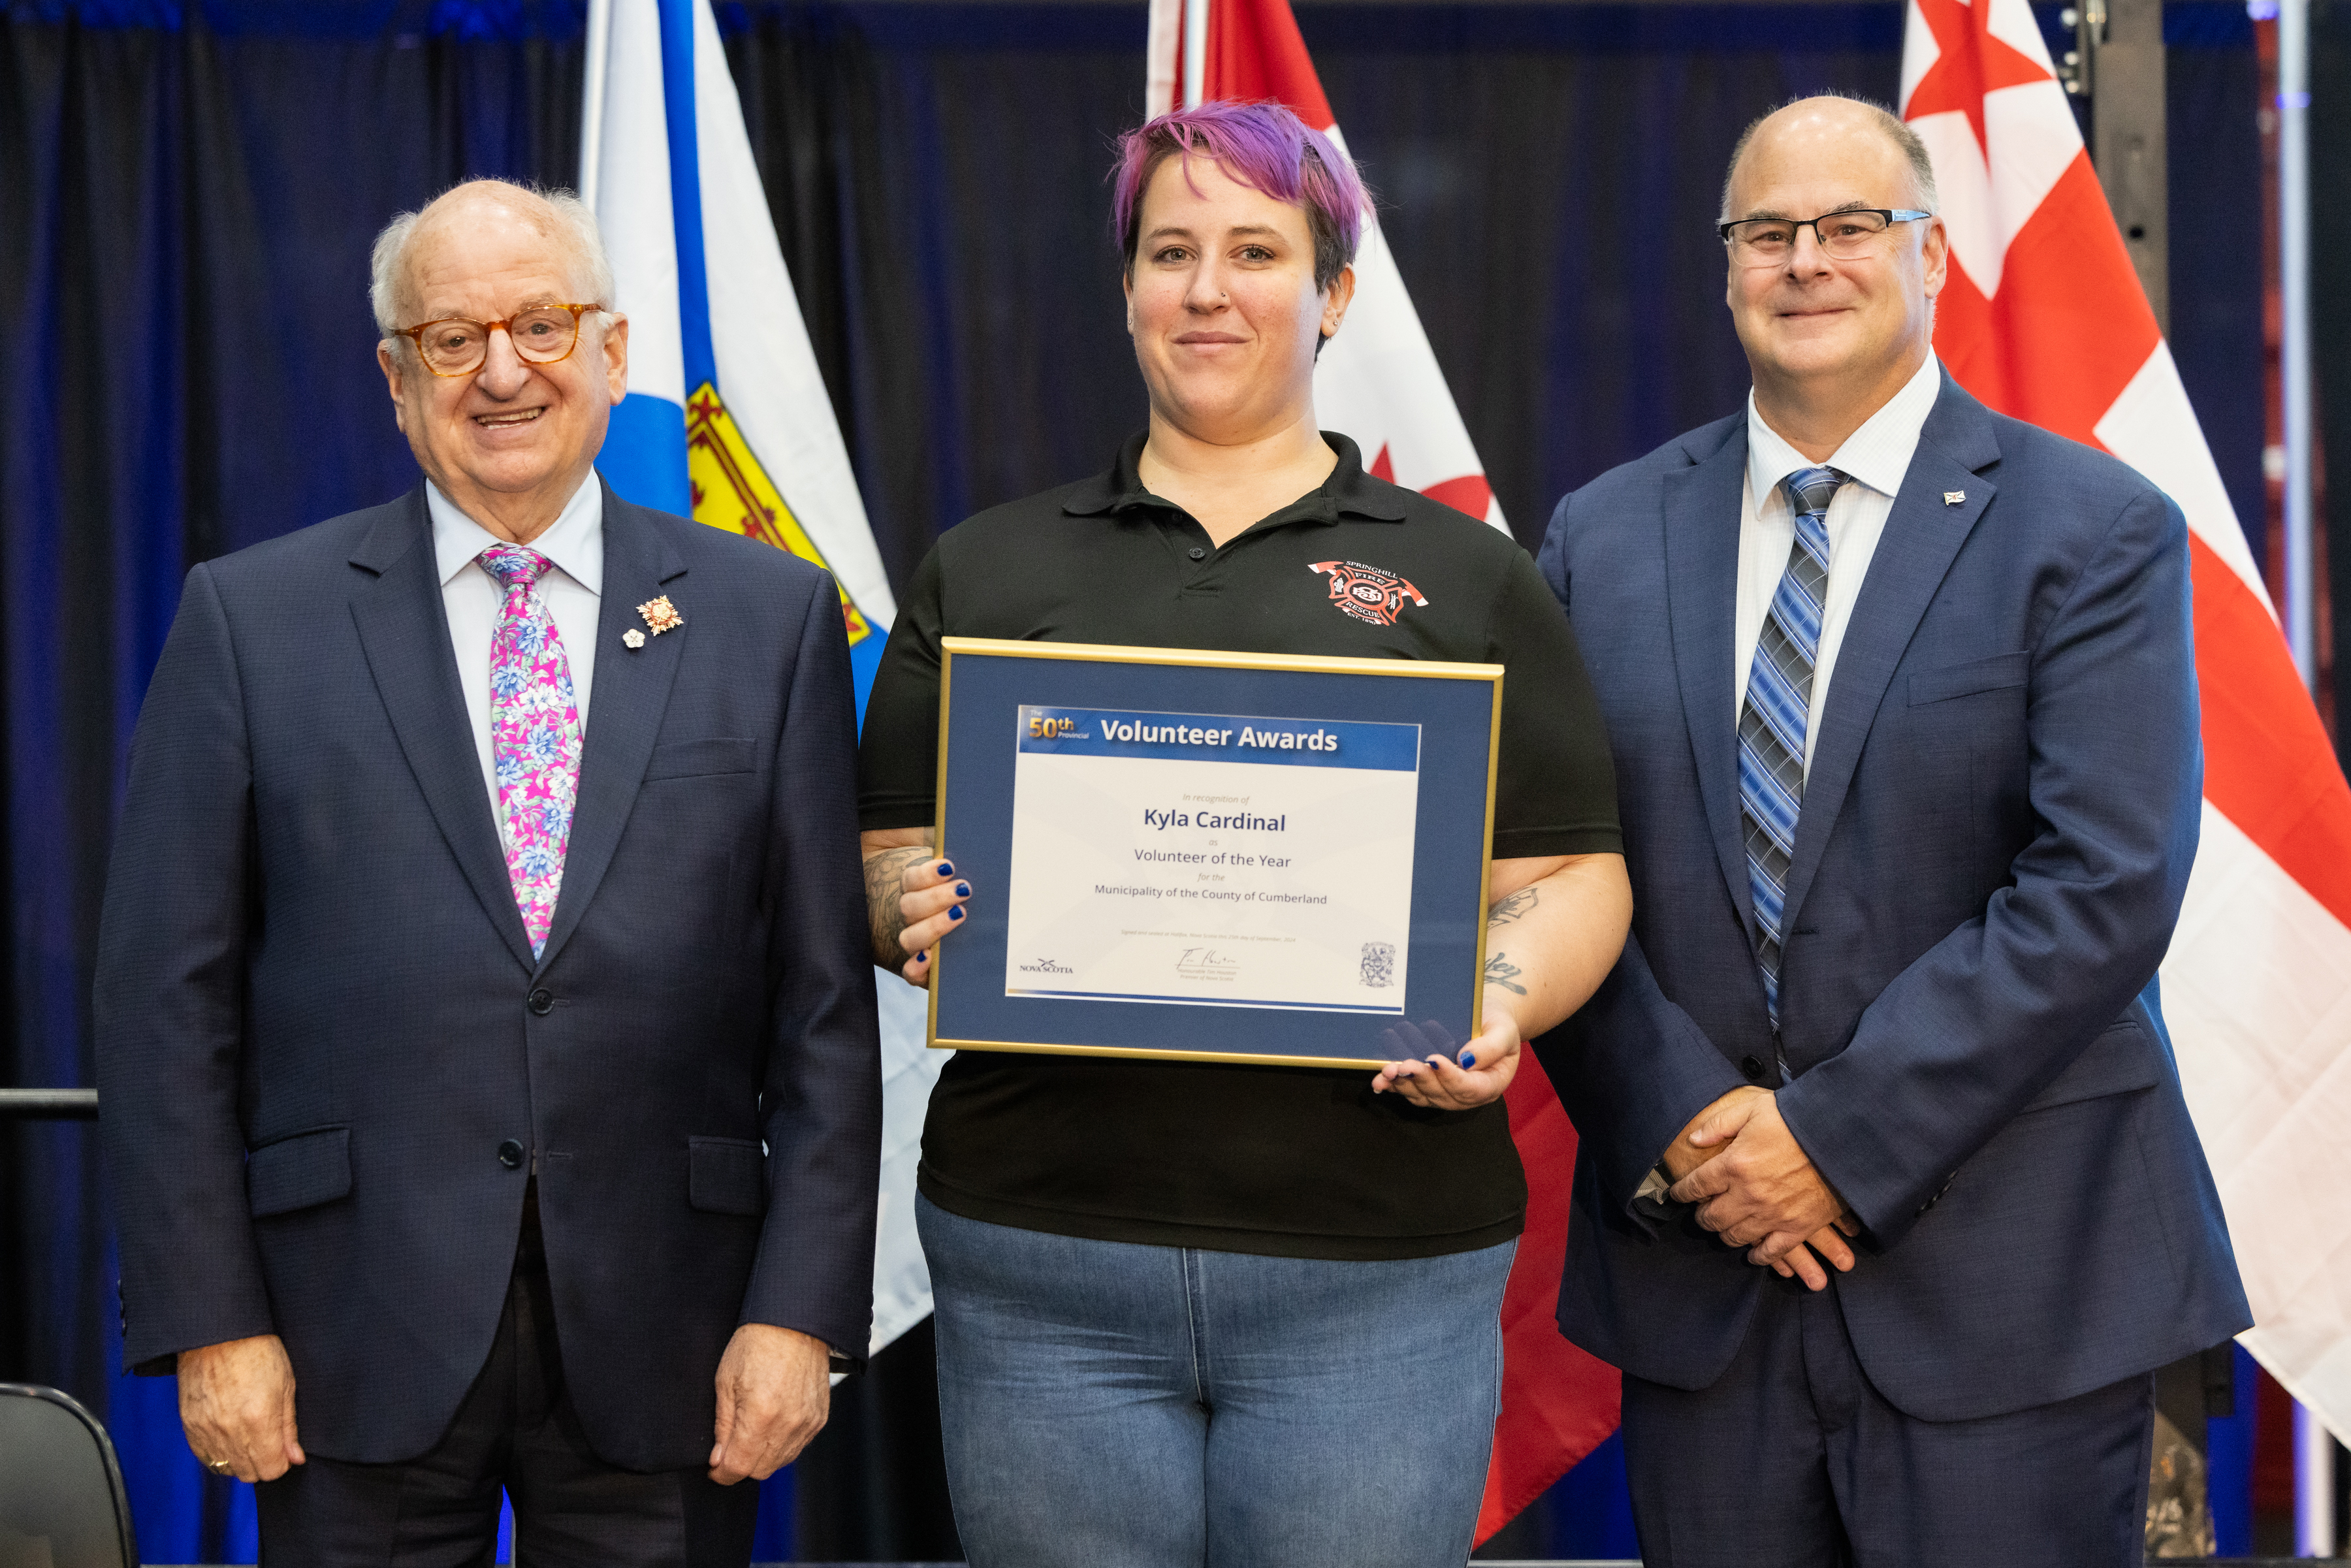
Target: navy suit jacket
pixel 1995 836
pixel 318 1019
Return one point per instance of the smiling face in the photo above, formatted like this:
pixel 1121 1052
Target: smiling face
pixel 1864 322
pixel 1222 304
pixel 513 438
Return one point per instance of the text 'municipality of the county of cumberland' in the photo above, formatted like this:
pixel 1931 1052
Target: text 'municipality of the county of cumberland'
pixel 1213 895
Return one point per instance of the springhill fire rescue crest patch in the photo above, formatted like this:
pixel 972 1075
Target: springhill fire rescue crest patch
pixel 1366 592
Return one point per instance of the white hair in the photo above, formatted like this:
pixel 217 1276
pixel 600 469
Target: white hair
pixel 569 220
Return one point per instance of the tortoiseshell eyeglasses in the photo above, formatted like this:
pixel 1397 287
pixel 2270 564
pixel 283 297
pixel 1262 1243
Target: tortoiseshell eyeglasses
pixel 541 335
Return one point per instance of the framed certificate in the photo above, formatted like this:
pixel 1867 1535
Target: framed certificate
pixel 1209 856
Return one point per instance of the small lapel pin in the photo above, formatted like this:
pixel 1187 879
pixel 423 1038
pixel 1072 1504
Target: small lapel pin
pixel 661 615
pixel 1953 497
pixel 632 638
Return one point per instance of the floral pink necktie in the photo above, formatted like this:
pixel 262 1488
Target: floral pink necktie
pixel 534 737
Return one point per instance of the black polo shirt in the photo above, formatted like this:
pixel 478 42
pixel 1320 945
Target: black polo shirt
pixel 1291 1162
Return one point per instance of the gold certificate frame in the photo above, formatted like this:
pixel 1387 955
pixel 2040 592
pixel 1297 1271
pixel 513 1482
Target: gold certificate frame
pixel 1388 769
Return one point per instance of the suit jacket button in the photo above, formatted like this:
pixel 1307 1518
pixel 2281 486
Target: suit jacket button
pixel 542 1001
pixel 510 1155
pixel 1752 1066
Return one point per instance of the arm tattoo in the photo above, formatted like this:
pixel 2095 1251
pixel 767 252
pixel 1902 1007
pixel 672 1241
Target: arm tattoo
pixel 1501 971
pixel 886 885
pixel 1506 910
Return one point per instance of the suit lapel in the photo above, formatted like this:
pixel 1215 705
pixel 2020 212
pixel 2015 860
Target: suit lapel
pixel 625 707
pixel 404 631
pixel 1701 515
pixel 1923 535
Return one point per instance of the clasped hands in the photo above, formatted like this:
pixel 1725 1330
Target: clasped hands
pixel 1757 1188
pixel 237 1404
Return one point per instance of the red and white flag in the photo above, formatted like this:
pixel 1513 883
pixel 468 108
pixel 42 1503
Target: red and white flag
pixel 2043 320
pixel 1378 382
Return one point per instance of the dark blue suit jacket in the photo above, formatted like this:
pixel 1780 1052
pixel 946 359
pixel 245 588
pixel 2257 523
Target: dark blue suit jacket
pixel 319 1018
pixel 1996 833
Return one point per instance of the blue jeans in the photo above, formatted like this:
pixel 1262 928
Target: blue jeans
pixel 1113 1405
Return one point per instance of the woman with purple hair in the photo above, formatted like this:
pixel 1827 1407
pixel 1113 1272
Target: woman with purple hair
pixel 1201 1313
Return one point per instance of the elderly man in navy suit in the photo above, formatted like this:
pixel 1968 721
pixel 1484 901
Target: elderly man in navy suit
pixel 486 1033
pixel 1905 720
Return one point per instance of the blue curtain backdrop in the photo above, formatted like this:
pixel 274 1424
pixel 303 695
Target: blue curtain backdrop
pixel 188 190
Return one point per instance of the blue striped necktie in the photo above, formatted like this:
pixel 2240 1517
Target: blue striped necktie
pixel 1772 721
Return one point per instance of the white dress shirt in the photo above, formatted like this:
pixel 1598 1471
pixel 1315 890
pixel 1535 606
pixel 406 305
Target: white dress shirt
pixel 1875 457
pixel 572 592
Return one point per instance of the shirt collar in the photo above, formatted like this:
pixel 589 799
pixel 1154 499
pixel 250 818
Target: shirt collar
pixel 574 543
pixel 1878 453
pixel 1348 492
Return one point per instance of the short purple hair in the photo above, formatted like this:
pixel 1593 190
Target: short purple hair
pixel 1261 145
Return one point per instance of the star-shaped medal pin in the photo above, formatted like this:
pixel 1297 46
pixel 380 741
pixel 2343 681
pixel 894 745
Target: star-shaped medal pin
pixel 661 615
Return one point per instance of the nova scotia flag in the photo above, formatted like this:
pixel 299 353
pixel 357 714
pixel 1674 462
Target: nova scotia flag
pixel 727 421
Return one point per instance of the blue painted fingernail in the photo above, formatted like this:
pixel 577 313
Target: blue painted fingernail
pixel 945 869
pixel 924 956
pixel 1468 1058
pixel 956 913
pixel 963 890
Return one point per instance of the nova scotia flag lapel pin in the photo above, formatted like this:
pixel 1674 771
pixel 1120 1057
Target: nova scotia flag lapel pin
pixel 1954 498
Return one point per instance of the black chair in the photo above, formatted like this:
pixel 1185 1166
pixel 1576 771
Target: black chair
pixel 61 1499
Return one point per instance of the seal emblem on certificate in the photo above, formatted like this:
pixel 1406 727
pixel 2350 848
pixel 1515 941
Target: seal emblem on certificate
pixel 1216 856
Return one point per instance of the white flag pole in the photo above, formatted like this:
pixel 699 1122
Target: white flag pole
pixel 592 99
pixel 2313 1445
pixel 1160 90
pixel 2293 357
pixel 1196 51
pixel 2314 1485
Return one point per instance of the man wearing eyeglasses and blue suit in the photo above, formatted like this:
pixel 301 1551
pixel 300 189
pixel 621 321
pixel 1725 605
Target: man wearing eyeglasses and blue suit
pixel 486 1032
pixel 1888 1202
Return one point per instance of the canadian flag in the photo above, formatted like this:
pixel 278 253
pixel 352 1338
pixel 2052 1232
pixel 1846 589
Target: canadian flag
pixel 2043 320
pixel 1378 382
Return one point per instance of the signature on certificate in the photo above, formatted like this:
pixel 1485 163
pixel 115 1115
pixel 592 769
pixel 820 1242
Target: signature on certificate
pixel 1207 963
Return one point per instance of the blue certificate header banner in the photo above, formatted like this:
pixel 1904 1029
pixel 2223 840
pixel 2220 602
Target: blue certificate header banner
pixel 1222 737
